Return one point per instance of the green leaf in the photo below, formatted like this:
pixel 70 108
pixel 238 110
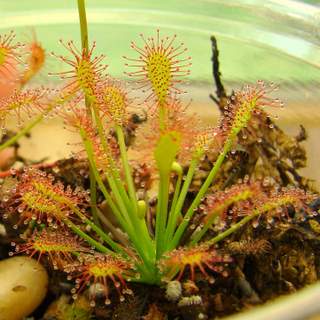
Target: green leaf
pixel 166 151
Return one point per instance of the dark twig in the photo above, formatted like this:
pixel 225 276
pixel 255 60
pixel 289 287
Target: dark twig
pixel 220 90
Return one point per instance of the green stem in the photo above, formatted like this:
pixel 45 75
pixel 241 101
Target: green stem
pixel 118 235
pixel 162 212
pixel 99 181
pixel 123 193
pixel 85 46
pixel 21 133
pixel 173 217
pixel 83 24
pixel 162 116
pixel 119 200
pixel 175 195
pixel 125 163
pixel 99 125
pixel 84 236
pixel 123 222
pixel 198 235
pixel 132 206
pixel 201 193
pixel 140 224
pixel 232 229
pixel 146 255
pixel 256 212
pixel 113 169
pixel 93 198
pixel 130 216
pixel 97 230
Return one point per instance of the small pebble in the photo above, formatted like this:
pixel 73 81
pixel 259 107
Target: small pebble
pixel 24 284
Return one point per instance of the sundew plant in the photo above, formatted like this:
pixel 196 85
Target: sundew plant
pixel 149 244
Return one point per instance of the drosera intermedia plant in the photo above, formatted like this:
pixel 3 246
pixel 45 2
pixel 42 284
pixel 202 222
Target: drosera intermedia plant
pixel 152 250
